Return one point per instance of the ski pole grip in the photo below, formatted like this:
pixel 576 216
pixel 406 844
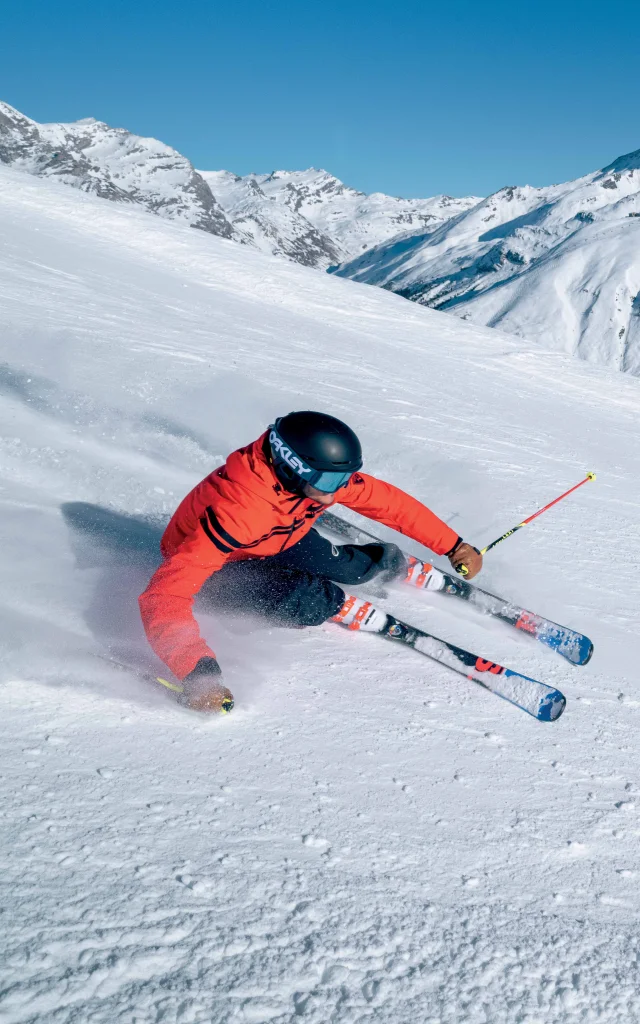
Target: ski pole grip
pixel 462 570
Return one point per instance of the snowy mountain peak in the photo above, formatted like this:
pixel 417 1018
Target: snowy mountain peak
pixel 24 130
pixel 561 264
pixel 326 221
pixel 628 162
pixel 312 180
pixel 309 217
pixel 112 163
pixel 352 220
pixel 9 114
pixel 276 227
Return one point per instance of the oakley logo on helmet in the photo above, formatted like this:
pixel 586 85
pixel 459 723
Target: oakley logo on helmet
pixel 287 455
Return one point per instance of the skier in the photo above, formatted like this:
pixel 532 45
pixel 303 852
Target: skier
pixel 245 533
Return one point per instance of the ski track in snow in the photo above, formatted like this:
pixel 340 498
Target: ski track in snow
pixel 369 837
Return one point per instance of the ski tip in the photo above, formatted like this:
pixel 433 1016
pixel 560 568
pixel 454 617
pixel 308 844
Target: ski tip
pixel 575 647
pixel 551 706
pixel 587 652
pixel 577 652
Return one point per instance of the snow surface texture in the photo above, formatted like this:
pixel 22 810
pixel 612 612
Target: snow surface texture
pixel 559 265
pixel 368 837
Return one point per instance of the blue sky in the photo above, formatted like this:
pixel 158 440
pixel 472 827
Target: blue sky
pixel 410 98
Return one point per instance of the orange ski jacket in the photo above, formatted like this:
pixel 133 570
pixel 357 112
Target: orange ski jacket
pixel 241 511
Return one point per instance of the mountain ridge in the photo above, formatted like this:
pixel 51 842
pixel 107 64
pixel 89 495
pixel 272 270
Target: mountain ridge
pixel 560 265
pixel 309 217
pixel 114 164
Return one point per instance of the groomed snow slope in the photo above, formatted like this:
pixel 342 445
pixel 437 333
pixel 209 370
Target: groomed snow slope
pixel 368 838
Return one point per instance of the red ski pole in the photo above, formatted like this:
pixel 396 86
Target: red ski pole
pixel 462 569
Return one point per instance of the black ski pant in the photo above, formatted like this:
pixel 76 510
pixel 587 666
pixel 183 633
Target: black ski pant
pixel 299 587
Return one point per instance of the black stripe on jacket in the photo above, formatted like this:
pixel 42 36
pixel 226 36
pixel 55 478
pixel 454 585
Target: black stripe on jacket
pixel 220 530
pixel 214 540
pixel 226 543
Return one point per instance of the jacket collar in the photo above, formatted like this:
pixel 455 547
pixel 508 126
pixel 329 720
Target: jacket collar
pixel 251 467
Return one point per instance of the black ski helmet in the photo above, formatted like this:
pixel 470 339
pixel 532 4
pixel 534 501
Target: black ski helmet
pixel 313 447
pixel 323 442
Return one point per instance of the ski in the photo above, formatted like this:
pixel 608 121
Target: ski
pixel 575 647
pixel 543 702
pixel 539 700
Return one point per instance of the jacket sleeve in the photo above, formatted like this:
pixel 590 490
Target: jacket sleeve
pixel 166 605
pixel 392 507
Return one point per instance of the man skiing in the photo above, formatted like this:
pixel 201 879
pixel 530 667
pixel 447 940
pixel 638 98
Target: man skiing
pixel 246 531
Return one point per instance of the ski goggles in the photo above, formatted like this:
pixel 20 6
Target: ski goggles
pixel 329 482
pixel 296 470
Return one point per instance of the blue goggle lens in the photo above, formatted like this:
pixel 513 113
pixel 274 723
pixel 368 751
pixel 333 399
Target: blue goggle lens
pixel 328 482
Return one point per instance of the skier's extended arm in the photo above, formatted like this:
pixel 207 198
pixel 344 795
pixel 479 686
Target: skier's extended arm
pixel 166 606
pixel 393 507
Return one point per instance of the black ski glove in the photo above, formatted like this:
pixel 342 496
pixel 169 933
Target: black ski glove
pixel 203 689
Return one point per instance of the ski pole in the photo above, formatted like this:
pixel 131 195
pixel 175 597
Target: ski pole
pixel 170 686
pixel 462 569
